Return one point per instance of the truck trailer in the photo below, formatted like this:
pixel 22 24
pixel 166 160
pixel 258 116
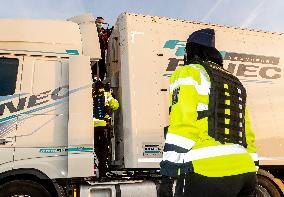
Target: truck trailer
pixel 143 53
pixel 46 129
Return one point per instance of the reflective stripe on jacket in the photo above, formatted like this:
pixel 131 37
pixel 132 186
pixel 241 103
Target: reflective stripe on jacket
pixel 188 147
pixel 99 123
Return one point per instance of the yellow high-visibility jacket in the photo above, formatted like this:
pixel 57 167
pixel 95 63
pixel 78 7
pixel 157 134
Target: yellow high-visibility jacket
pixel 188 147
pixel 112 103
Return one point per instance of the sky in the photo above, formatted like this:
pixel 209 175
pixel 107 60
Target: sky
pixel 257 14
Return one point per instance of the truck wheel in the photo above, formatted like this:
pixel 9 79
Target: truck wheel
pixel 23 188
pixel 261 192
pixel 267 186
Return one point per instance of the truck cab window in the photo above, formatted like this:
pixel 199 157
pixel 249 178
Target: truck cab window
pixel 8 75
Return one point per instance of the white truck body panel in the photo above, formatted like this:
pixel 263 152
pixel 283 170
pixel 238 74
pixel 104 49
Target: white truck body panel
pixel 54 166
pixel 47 121
pixel 40 37
pixel 145 50
pixel 89 34
pixel 80 126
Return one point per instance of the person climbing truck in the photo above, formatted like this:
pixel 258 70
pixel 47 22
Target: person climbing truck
pixel 103 104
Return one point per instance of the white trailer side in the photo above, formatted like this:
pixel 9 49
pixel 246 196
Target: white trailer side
pixel 145 50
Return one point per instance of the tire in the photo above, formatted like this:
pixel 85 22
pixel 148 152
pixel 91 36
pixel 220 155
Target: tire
pixel 261 192
pixel 265 185
pixel 23 188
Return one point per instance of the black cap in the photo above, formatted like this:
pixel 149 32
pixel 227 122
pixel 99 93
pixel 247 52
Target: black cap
pixel 99 85
pixel 205 37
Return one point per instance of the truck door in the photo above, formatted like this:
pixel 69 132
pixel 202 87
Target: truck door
pixel 42 130
pixel 10 105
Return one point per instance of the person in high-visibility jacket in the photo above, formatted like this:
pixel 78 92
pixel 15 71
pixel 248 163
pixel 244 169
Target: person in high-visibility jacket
pixel 103 103
pixel 103 106
pixel 209 145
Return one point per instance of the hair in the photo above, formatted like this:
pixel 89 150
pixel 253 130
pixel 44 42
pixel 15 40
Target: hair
pixel 99 17
pixel 195 52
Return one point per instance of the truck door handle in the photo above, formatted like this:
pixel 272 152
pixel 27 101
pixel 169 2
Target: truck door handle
pixel 4 141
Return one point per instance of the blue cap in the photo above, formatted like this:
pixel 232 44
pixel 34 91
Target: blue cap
pixel 205 37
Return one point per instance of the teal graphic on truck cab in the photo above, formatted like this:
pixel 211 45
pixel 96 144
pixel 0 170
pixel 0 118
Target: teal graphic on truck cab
pixel 28 104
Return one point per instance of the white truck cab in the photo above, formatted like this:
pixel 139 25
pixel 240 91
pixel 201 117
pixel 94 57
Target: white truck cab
pixel 45 99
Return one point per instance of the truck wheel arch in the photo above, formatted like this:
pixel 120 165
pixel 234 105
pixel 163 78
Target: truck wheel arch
pixel 32 175
pixel 275 181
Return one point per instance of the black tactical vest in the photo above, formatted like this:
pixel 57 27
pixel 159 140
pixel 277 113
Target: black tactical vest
pixel 99 111
pixel 226 109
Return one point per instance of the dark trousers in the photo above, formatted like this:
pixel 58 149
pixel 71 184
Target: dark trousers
pixel 195 185
pixel 102 69
pixel 102 149
pixel 166 187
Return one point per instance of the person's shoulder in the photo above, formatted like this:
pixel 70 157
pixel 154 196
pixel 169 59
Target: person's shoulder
pixel 189 68
pixel 183 72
